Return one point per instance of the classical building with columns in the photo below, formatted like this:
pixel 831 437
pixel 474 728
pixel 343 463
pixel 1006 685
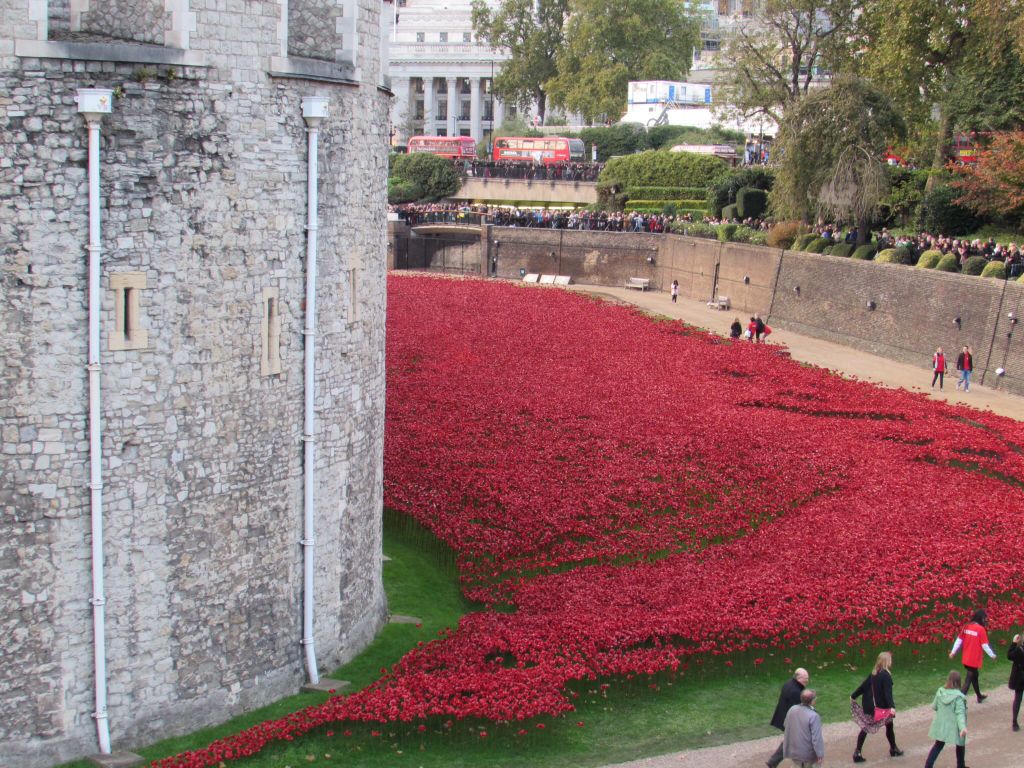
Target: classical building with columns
pixel 441 75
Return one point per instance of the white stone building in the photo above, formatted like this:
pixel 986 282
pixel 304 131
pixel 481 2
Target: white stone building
pixel 441 75
pixel 170 173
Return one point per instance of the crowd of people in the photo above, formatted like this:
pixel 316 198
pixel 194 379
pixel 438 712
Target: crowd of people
pixel 1010 254
pixel 873 706
pixel 508 169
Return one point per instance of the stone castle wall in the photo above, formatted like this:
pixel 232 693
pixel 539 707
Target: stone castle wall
pixel 204 196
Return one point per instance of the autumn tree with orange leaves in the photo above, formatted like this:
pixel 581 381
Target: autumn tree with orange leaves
pixel 994 185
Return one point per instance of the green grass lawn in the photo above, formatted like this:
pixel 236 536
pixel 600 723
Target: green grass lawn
pixel 711 704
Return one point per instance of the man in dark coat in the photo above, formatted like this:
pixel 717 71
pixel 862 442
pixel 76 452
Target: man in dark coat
pixel 789 697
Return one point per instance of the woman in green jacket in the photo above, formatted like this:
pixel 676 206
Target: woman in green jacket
pixel 950 723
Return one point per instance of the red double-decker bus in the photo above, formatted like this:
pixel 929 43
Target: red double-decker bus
pixel 544 150
pixel 445 146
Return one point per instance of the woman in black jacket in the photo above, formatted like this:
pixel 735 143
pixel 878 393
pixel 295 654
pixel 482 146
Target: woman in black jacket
pixel 878 706
pixel 1016 655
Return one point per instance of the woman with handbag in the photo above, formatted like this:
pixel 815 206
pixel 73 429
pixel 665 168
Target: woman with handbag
pixel 877 708
pixel 1016 655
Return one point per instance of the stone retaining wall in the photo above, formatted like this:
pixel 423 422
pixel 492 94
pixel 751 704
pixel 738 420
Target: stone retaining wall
pixel 913 309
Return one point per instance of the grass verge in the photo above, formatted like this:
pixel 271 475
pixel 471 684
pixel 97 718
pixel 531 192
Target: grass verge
pixel 618 720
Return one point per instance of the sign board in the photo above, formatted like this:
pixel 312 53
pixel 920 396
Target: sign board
pixel 666 91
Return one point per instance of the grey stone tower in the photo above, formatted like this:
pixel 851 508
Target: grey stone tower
pixel 203 219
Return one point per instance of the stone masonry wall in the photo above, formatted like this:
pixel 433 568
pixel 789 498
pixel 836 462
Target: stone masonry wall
pixel 913 309
pixel 141 21
pixel 204 193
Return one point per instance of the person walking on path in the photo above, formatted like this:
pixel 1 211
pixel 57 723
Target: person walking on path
pixel 735 330
pixel 877 706
pixel 803 742
pixel 1016 656
pixel 965 364
pixel 973 639
pixel 949 725
pixel 675 290
pixel 758 327
pixel 939 367
pixel 789 697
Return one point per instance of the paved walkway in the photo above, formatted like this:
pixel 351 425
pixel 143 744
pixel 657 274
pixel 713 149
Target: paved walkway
pixel 852 362
pixel 991 743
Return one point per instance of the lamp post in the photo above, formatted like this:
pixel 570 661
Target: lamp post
pixel 490 136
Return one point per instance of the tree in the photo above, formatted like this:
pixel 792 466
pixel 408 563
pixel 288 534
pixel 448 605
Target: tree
pixel 773 57
pixel 930 56
pixel 994 185
pixel 830 148
pixel 421 176
pixel 532 33
pixel 610 42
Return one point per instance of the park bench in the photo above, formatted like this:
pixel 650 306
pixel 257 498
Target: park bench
pixel 722 302
pixel 640 283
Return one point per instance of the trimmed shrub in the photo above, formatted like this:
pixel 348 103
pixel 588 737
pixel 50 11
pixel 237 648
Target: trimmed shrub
pixel 974 265
pixel 434 175
pixel 827 250
pixel 726 231
pixel 865 252
pixel 697 194
pixel 1021 279
pixel 724 192
pixel 695 229
pixel 402 191
pixel 729 212
pixel 751 203
pixel 948 264
pixel 817 245
pixel 801 241
pixel 843 249
pixel 783 234
pixel 929 259
pixel 899 255
pixel 995 269
pixel 657 169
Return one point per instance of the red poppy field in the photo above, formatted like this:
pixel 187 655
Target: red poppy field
pixel 628 496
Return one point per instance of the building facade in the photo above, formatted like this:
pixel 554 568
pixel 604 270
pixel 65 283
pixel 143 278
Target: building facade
pixel 181 147
pixel 441 74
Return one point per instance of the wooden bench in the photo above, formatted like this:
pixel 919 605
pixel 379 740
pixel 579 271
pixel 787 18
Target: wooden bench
pixel 640 283
pixel 722 302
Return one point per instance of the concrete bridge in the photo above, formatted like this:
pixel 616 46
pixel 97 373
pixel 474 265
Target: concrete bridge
pixel 534 192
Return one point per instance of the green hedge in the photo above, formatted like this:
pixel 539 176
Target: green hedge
pixel 842 249
pixel 817 245
pixel 801 241
pixel 730 212
pixel 948 264
pixel 864 252
pixel 659 168
pixel 995 269
pixel 751 203
pixel 929 259
pixel 689 205
pixel 695 229
pixel 668 193
pixel 974 265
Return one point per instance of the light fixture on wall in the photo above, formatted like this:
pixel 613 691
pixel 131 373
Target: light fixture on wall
pixel 1000 371
pixel 956 322
pixel 650 260
pixel 1012 318
pixel 871 305
pixel 746 279
pixel 796 289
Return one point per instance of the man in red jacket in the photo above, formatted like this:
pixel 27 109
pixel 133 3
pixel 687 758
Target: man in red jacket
pixel 974 639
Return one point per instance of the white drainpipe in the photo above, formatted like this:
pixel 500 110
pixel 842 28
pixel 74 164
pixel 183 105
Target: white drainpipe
pixel 314 110
pixel 93 103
